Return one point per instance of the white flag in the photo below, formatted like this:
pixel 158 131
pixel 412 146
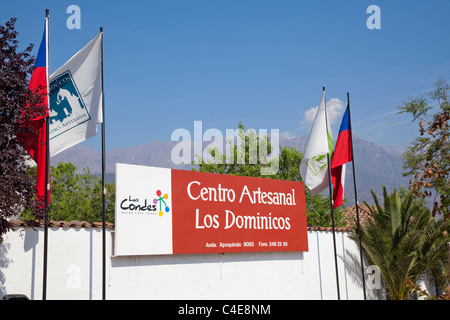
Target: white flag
pixel 75 98
pixel 314 165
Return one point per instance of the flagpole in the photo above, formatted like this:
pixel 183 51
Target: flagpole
pixel 332 210
pixel 47 163
pixel 356 199
pixel 103 181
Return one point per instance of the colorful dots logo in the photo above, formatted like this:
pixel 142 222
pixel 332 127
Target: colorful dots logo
pixel 160 199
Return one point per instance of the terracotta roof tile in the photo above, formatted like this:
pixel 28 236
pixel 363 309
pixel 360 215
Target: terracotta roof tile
pixel 338 229
pixel 60 224
pixel 349 216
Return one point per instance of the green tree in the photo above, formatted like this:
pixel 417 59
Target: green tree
pixel 242 160
pixel 427 158
pixel 77 196
pixel 404 241
pixel 18 106
pixel 288 160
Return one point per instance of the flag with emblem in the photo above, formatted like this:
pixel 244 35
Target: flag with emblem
pixel 314 165
pixel 75 98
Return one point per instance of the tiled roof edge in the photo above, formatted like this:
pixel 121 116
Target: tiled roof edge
pixel 109 225
pixel 59 224
pixel 337 229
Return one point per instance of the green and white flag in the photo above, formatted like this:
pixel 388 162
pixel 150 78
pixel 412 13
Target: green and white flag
pixel 76 99
pixel 314 165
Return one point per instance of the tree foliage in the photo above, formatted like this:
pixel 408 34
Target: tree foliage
pixel 243 159
pixel 18 106
pixel 77 196
pixel 427 159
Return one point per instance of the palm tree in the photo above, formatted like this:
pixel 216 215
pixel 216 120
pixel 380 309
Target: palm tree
pixel 403 240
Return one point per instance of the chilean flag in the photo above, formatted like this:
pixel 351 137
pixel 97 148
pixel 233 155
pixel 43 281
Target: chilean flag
pixel 37 148
pixel 342 154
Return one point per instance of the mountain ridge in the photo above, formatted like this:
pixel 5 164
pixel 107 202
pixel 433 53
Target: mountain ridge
pixel 375 165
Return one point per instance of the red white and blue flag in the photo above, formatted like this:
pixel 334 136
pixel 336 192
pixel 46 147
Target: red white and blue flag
pixel 38 80
pixel 38 147
pixel 342 154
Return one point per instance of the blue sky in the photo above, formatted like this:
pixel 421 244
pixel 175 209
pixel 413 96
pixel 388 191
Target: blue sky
pixel 264 62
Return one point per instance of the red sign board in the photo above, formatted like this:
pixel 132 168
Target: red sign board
pixel 224 213
pixel 164 211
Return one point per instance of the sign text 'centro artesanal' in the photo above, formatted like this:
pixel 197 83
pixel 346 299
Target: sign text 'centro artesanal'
pixel 167 211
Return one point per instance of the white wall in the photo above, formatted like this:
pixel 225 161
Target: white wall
pixel 74 270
